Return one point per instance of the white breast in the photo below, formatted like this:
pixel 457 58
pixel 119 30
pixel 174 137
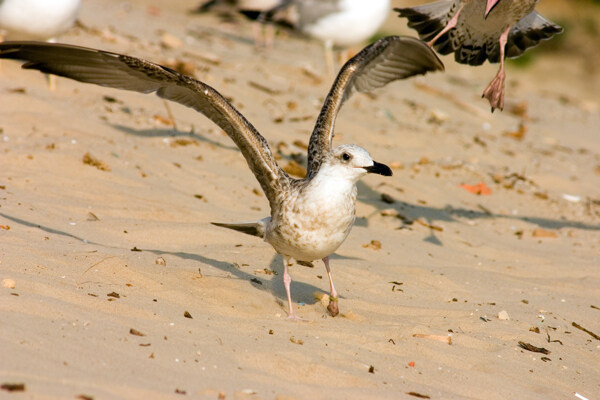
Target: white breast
pixel 315 222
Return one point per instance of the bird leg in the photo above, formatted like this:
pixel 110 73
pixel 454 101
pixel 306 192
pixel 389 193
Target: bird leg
pixel 451 24
pixel 494 92
pixel 1 40
pixel 264 35
pixel 287 279
pixel 328 49
pixel 170 114
pixel 333 297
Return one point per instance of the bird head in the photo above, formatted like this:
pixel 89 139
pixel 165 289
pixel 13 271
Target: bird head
pixel 352 162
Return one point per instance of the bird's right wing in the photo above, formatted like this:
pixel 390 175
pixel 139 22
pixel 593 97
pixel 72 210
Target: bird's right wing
pixel 388 59
pixel 529 32
pixel 129 73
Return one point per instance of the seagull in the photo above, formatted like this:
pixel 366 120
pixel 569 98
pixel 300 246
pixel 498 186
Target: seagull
pixel 311 217
pixel 36 19
pixel 334 22
pixel 479 30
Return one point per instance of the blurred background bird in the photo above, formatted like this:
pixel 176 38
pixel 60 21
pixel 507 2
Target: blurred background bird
pixel 37 20
pixel 479 30
pixel 253 9
pixel 337 23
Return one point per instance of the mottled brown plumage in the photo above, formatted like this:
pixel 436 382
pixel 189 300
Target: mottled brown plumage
pixel 480 30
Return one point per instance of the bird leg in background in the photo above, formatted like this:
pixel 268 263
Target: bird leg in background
pixel 494 92
pixel 51 80
pixel 333 297
pixel 451 24
pixel 1 40
pixel 328 49
pixel 264 35
pixel 170 114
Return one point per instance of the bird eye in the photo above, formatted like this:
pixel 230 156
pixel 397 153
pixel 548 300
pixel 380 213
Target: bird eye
pixel 346 157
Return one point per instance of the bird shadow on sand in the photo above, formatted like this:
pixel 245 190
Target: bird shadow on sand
pixel 429 216
pixel 172 133
pixel 301 292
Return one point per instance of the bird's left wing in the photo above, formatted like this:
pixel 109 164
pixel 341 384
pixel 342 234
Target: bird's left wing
pixel 130 73
pixel 384 61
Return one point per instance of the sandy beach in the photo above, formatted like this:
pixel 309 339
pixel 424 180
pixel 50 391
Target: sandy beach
pixel 472 273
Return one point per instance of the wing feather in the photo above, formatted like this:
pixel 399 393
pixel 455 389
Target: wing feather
pixel 130 73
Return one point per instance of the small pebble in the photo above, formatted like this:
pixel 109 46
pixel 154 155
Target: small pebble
pixel 160 261
pixel 503 316
pixel 8 283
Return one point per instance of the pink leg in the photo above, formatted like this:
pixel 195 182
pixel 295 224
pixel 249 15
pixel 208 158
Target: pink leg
pixel 494 92
pixel 333 297
pixel 287 279
pixel 257 32
pixel 451 24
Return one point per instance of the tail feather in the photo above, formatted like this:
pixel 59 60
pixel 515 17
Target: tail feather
pixel 256 228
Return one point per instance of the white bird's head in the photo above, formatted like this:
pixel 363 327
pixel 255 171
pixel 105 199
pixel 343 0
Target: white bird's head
pixel 351 162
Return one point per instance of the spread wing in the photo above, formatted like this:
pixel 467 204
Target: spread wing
pixel 528 32
pixel 130 73
pixel 386 60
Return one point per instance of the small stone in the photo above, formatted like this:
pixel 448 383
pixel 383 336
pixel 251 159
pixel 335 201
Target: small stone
pixel 544 233
pixel 503 316
pixel 8 283
pixel 388 212
pixel 375 245
pixel 438 117
pixel 160 261
pixel 170 42
pixel 386 198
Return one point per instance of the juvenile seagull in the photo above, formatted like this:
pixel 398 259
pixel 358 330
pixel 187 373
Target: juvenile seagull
pixel 311 217
pixel 476 30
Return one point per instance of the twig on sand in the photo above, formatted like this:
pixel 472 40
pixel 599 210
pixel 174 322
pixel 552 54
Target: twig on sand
pixel 453 99
pixel 592 334
pixel 439 338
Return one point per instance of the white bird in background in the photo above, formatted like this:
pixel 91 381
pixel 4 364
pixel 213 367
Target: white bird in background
pixel 36 19
pixel 479 30
pixel 340 23
pixel 311 217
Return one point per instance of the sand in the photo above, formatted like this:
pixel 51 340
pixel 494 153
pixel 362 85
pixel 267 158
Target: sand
pixel 100 263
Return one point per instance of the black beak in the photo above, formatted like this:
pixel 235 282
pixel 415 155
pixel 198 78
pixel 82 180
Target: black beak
pixel 378 168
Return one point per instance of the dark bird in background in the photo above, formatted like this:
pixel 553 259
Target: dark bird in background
pixel 479 30
pixel 252 9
